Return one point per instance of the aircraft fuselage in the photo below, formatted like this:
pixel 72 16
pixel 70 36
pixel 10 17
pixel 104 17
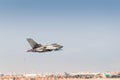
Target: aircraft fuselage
pixel 43 48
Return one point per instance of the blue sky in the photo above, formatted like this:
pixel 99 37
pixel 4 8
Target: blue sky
pixel 88 29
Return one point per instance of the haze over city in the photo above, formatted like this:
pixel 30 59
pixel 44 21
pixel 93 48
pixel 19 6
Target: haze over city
pixel 89 30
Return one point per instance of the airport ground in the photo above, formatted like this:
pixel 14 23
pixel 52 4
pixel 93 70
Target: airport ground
pixel 66 76
pixel 46 78
pixel 90 79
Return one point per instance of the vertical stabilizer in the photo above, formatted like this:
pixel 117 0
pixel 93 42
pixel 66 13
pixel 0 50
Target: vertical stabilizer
pixel 33 44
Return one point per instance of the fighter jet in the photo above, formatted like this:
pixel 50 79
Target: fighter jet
pixel 42 48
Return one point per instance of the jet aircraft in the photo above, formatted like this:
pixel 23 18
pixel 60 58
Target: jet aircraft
pixel 42 48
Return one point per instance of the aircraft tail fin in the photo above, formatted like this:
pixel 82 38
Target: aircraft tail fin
pixel 33 44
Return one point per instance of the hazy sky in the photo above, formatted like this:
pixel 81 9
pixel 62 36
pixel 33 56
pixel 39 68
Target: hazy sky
pixel 89 30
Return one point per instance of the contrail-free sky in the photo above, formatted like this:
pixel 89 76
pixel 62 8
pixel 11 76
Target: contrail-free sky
pixel 89 30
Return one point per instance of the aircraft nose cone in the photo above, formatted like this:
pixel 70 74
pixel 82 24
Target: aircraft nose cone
pixel 61 46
